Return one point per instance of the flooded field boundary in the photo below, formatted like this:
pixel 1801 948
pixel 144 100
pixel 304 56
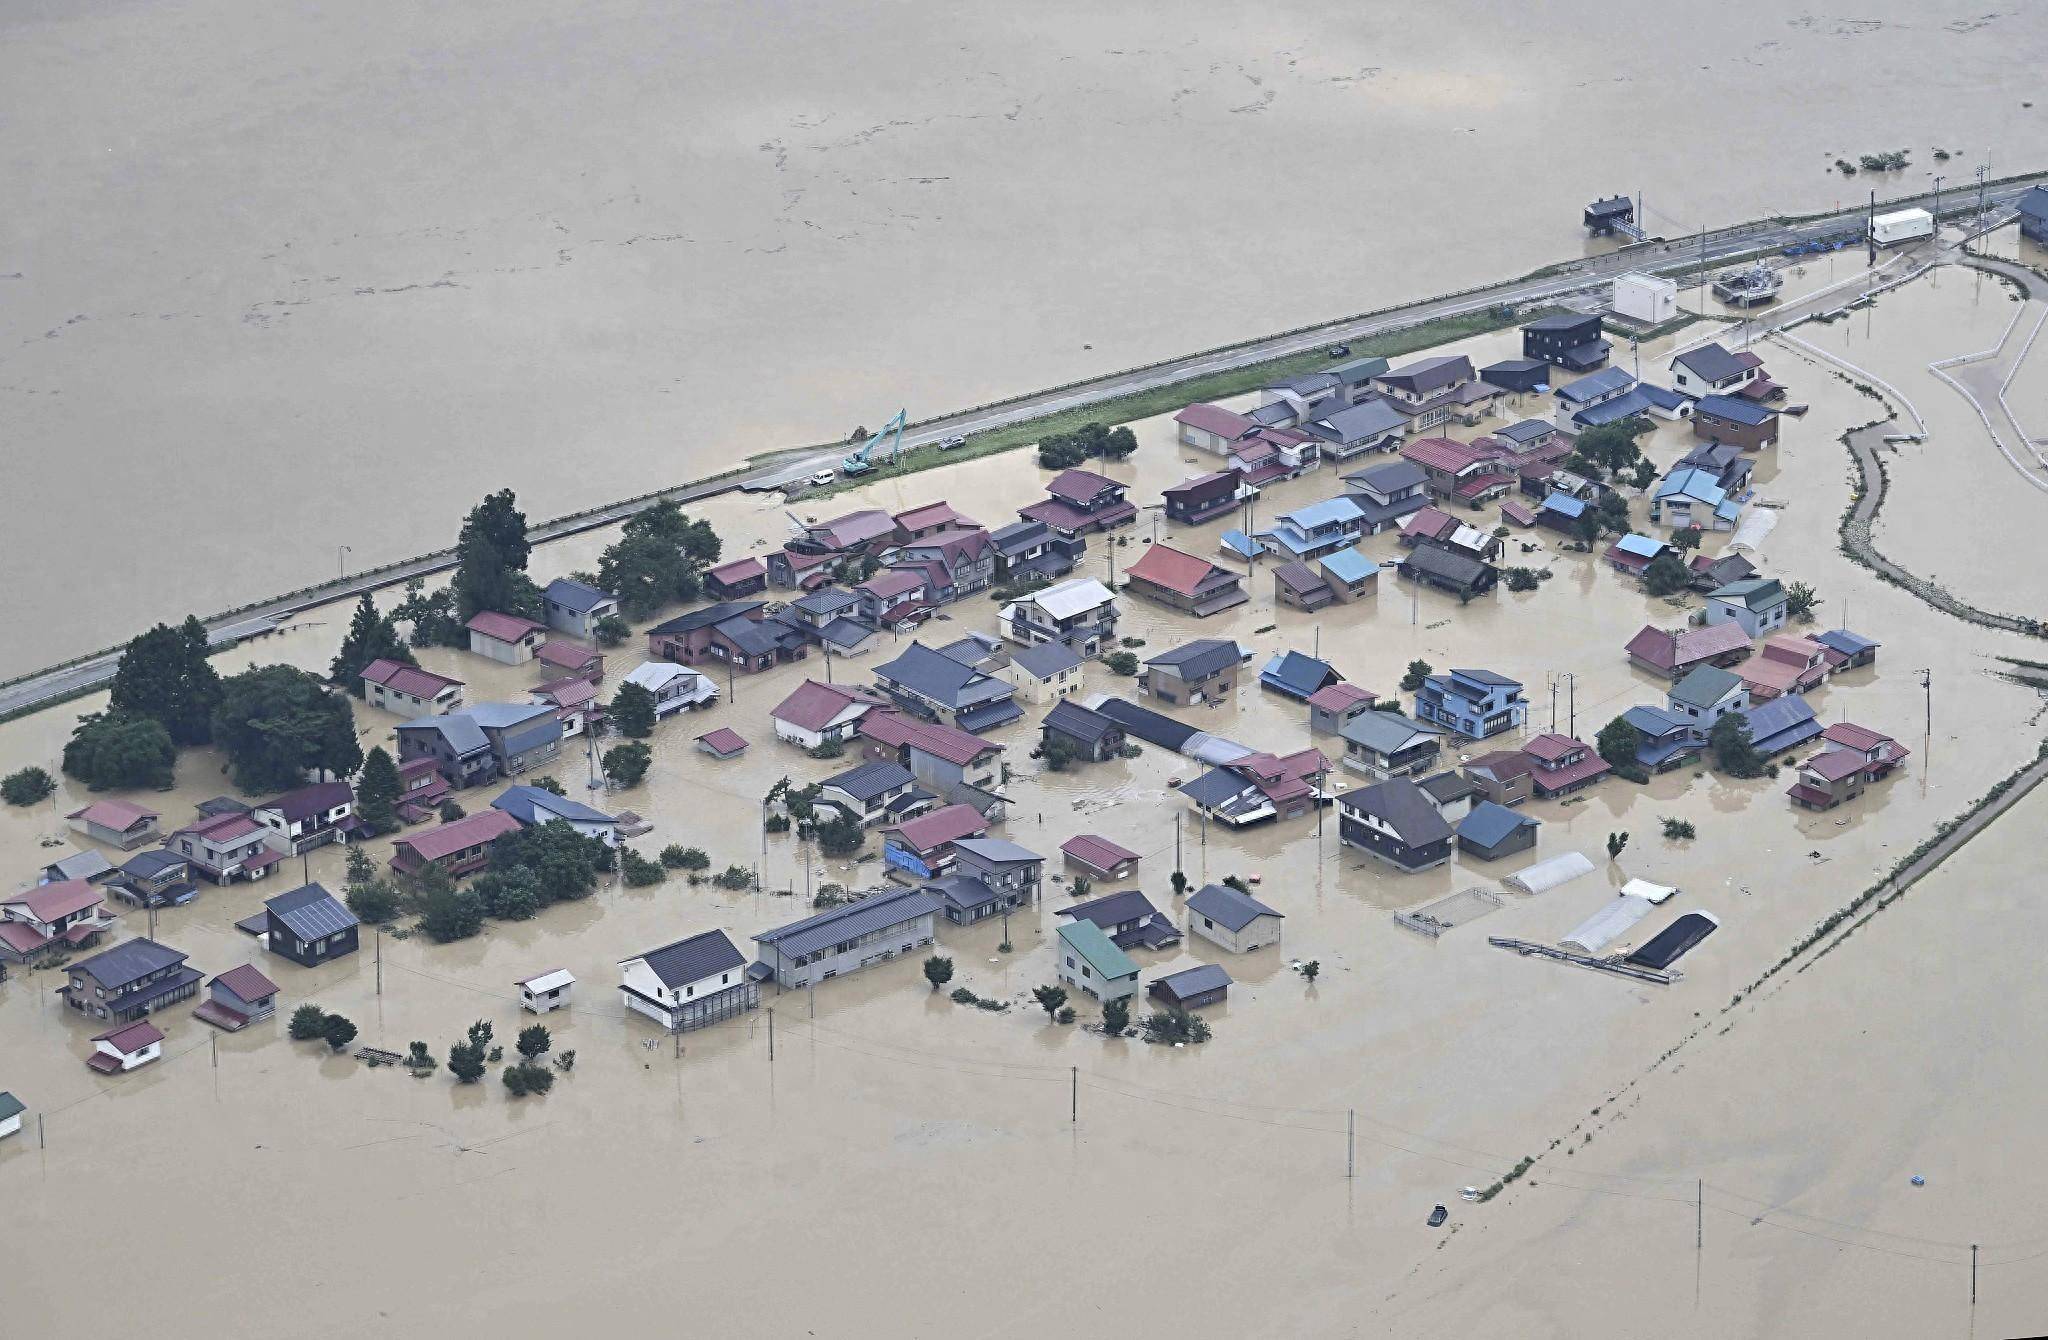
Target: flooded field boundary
pixel 83 675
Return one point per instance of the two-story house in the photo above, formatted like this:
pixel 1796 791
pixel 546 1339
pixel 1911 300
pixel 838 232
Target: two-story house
pixel 457 847
pixel 894 598
pixel 1389 744
pixel 69 914
pixel 829 545
pixel 1705 695
pixel 1687 497
pixel 736 580
pixel 129 980
pixel 1851 758
pixel 1570 340
pixel 1788 663
pixel 876 792
pixel 488 741
pixel 939 688
pixel 1045 673
pixel 1758 605
pixel 1387 492
pixel 922 848
pixel 577 608
pixel 1464 472
pixel 930 518
pixel 1258 787
pixel 846 938
pixel 1712 370
pixel 226 847
pixel 1202 671
pixel 990 876
pixel 675 688
pixel 954 563
pixel 508 639
pixel 690 983
pixel 1204 497
pixel 1431 392
pixel 1472 703
pixel 1028 550
pixel 1080 613
pixel 737 633
pixel 1079 502
pixel 1090 963
pixel 1183 582
pixel 1211 428
pixel 1370 425
pixel 1128 919
pixel 1395 822
pixel 956 765
pixel 815 715
pixel 312 816
pixel 409 691
pixel 1562 765
pixel 309 926
pixel 1722 418
pixel 533 805
pixel 1307 533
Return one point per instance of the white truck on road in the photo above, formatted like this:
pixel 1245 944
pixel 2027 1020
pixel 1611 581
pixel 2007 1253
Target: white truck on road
pixel 1905 225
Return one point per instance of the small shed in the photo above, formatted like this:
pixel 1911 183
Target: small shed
pixel 723 743
pixel 1099 856
pixel 1192 988
pixel 11 1109
pixel 310 926
pixel 1334 706
pixel 571 658
pixel 116 823
pixel 1546 875
pixel 237 998
pixel 1492 831
pixel 546 991
pixel 127 1047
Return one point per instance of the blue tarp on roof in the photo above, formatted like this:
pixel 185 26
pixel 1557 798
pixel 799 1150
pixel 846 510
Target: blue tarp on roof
pixel 1845 642
pixel 1329 512
pixel 1642 546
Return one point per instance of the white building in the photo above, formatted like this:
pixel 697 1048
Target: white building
pixel 1649 299
pixel 674 687
pixel 1080 613
pixel 548 991
pixel 1236 921
pixel 690 983
pixel 127 1047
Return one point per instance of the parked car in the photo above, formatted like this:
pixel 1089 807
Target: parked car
pixel 820 478
pixel 953 443
pixel 1339 351
pixel 1437 1217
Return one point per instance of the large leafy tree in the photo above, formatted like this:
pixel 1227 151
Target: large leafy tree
pixel 1617 742
pixel 563 863
pixel 1733 751
pixel 490 561
pixel 1666 574
pixel 371 637
pixel 432 616
pixel 278 723
pixel 660 557
pixel 109 751
pixel 377 791
pixel 164 675
pixel 632 711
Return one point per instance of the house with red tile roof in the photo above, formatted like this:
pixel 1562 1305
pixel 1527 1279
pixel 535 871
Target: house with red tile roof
pixel 1505 776
pixel 815 714
pixel 731 581
pixel 1562 765
pixel 1332 707
pixel 458 848
pixel 723 743
pixel 237 998
pixel 118 823
pixel 1211 428
pixel 922 848
pixel 918 522
pixel 955 562
pixel 1184 582
pixel 226 847
pixel 505 638
pixel 1851 758
pixel 570 658
pixel 1465 471
pixel 125 1048
pixel 421 788
pixel 69 913
pixel 574 699
pixel 1079 502
pixel 826 544
pixel 1788 663
pixel 1676 653
pixel 409 691
pixel 957 765
pixel 1099 857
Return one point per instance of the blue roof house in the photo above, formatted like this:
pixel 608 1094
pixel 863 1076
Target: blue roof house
pixel 1783 723
pixel 1492 831
pixel 575 607
pixel 1846 649
pixel 1472 703
pixel 1560 511
pixel 1693 497
pixel 1317 529
pixel 1297 676
pixel 531 805
pixel 1667 738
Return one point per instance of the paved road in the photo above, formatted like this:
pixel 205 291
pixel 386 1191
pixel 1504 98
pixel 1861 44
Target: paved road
pixel 1579 275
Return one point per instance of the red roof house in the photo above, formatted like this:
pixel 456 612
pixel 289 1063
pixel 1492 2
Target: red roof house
pixel 1099 856
pixel 1675 654
pixel 1184 582
pixel 1562 764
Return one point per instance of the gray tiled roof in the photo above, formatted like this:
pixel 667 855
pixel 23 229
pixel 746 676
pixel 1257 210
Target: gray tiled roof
pixel 1402 805
pixel 571 594
pixel 1046 659
pixel 310 912
pixel 710 614
pixel 849 921
pixel 996 851
pixel 1199 659
pixel 125 963
pixel 1114 909
pixel 1194 981
pixel 694 959
pixel 865 781
pixel 1386 732
pixel 1488 824
pixel 1229 908
pixel 1070 718
pixel 1709 362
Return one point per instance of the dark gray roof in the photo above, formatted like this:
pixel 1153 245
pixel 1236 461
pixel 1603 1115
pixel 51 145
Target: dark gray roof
pixel 1019 535
pixel 1070 718
pixel 1425 375
pixel 1195 981
pixel 755 637
pixel 149 864
pixel 1607 381
pixel 1434 561
pixel 1199 659
pixel 125 963
pixel 694 959
pixel 1223 904
pixel 571 594
pixel 865 781
pixel 710 614
pixel 1447 787
pixel 1215 787
pixel 459 729
pixel 1402 806
pixel 2034 204
pixel 1704 686
pixel 1562 321
pixel 939 678
pixel 1390 476
pixel 1528 430
pixel 1384 732
pixel 1046 659
pixel 1488 825
pixel 826 600
pixel 1115 909
pixel 309 801
pixel 995 851
pixel 310 912
pixel 849 921
pixel 1358 423
pixel 1150 726
pixel 1710 362
pixel 1488 677
pixel 1298 674
pixel 1734 409
pixel 962 891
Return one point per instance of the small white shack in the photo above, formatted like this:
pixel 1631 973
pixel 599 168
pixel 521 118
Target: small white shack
pixel 546 991
pixel 1237 921
pixel 126 1047
pixel 1649 299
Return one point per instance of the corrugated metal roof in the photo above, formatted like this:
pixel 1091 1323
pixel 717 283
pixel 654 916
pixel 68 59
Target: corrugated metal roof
pixel 311 912
pixel 849 921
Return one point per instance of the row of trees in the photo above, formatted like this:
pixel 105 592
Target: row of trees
pixel 1091 441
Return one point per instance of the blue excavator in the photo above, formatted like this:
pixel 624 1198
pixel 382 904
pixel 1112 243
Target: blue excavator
pixel 862 461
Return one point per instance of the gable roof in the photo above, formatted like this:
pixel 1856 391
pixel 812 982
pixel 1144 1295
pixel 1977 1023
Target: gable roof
pixel 1200 658
pixel 1080 486
pixel 1849 735
pixel 1403 807
pixel 924 671
pixel 1704 686
pixel 996 851
pixel 1709 362
pixel 1195 981
pixel 1046 660
pixel 693 959
pixel 814 706
pixel 532 805
pixel 1070 598
pixel 854 528
pixel 1227 907
pixel 402 678
pixel 1179 572
pixel 1447 454
pixel 1348 565
pixel 128 961
pixel 939 513
pixel 1389 476
pixel 1432 561
pixel 468 831
pixel 865 781
pixel 502 627
pixel 1070 718
pixel 706 617
pixel 947 824
pixel 1215 419
pixel 737 571
pixel 118 815
pixel 1384 732
pixel 1340 697
pixel 131 1038
pixel 1489 824
pixel 1097 950
pixel 581 597
pixel 1100 852
pixel 1297 673
pixel 1605 382
pixel 1425 375
pixel 247 981
pixel 310 912
pixel 1735 409
pixel 849 921
pixel 309 801
pixel 1844 641
pixel 61 898
pixel 1752 593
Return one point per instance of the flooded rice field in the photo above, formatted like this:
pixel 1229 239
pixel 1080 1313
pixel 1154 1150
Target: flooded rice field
pixel 779 1191
pixel 389 258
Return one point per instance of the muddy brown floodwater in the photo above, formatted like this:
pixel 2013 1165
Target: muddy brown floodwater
pixel 904 1166
pixel 305 277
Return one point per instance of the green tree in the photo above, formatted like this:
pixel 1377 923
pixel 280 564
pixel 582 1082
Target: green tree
pixel 1118 444
pixel 632 711
pixel 1730 744
pixel 527 1078
pixel 165 675
pixel 1417 672
pixel 512 894
pixel 564 863
pixel 1612 446
pixel 449 810
pixel 612 631
pixel 432 616
pixel 1666 575
pixel 447 913
pixel 420 1061
pixel 639 871
pixel 677 857
pixel 1800 601
pixel 1180 884
pixel 1311 970
pixel 371 637
pixel 659 557
pixel 534 1041
pixel 374 901
pixel 1061 451
pixel 1120 662
pixel 27 786
pixel 277 723
pixel 938 970
pixel 1060 753
pixel 1617 743
pixel 1685 538
pixel 377 791
pixel 307 1021
pixel 1175 1025
pixel 109 752
pixel 1613 510
pixel 1116 1016
pixel 490 561
pixel 1679 830
pixel 1616 844
pixel 1049 998
pixel 480 1033
pixel 466 1062
pixel 1588 526
pixel 338 1032
pixel 626 764
pixel 841 835
pixel 550 785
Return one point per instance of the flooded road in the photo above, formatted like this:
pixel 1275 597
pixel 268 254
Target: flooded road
pixel 758 1187
pixel 299 286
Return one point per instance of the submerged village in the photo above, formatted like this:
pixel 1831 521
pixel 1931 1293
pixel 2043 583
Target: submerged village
pixel 1489 646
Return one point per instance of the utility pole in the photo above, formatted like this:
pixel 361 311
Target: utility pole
pixel 1699 1235
pixel 731 690
pixel 1176 841
pixel 1927 732
pixel 1074 1104
pixel 214 1038
pixel 380 960
pixel 342 552
pixel 771 1035
pixel 1350 1130
pixel 828 661
pixel 306 866
pixel 1980 192
pixel 1973 1274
